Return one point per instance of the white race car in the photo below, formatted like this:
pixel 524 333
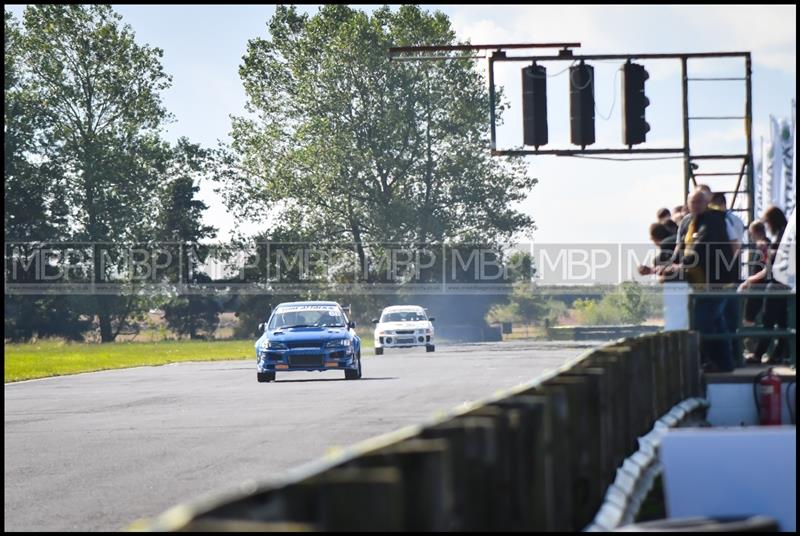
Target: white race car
pixel 403 326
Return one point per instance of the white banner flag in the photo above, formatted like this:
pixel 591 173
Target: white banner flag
pixel 790 189
pixel 766 172
pixel 775 163
pixel 785 267
pixel 758 193
pixel 786 166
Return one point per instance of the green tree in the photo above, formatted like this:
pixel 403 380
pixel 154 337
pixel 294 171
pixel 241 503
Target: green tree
pixel 189 315
pixel 361 148
pixel 98 93
pixel 630 300
pixel 33 208
pixel 527 305
pixel 182 229
pixel 627 304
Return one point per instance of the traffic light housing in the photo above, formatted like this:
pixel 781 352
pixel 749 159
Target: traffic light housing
pixel 534 105
pixel 634 102
pixel 581 104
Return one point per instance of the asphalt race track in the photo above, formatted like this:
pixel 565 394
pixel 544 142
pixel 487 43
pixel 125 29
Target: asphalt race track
pixel 97 451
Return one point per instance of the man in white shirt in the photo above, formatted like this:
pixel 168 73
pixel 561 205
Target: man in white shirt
pixel 734 223
pixel 784 269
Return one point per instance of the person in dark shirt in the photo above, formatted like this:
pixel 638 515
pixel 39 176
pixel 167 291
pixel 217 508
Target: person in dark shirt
pixel 678 213
pixel 672 227
pixel 757 270
pixel 664 217
pixel 703 255
pixel 775 309
pixel 704 258
pixel 757 267
pixel 662 236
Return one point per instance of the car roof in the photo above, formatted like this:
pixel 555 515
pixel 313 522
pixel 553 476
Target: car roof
pixel 404 308
pixel 307 303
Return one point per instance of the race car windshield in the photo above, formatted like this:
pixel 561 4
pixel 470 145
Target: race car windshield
pixel 403 316
pixel 306 316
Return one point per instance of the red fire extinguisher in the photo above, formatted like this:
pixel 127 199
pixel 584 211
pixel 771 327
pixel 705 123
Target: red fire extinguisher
pixel 768 400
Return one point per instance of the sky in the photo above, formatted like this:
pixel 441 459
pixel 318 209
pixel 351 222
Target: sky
pixel 576 200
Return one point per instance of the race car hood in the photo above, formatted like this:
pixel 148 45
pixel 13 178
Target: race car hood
pixel 304 334
pixel 419 324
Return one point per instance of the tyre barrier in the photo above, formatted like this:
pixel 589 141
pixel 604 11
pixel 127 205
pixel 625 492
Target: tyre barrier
pixel 706 524
pixel 637 474
pixel 539 456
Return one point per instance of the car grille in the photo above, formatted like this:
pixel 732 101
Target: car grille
pixel 405 332
pixel 305 361
pixel 405 340
pixel 304 344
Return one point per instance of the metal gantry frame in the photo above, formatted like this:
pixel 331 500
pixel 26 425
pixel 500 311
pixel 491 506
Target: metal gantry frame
pixel 497 54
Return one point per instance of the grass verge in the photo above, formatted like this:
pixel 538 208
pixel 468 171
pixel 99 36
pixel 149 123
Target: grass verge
pixel 47 358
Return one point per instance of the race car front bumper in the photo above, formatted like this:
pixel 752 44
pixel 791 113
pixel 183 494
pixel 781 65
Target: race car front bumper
pixel 403 340
pixel 303 359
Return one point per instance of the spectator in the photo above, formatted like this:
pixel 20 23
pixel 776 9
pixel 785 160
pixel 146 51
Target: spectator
pixel 703 257
pixel 759 257
pixel 685 220
pixel 678 213
pixel 702 244
pixel 671 226
pixel 733 223
pixel 784 269
pixel 704 187
pixel 775 220
pixel 664 217
pixel 665 238
pixel 735 230
pixel 775 309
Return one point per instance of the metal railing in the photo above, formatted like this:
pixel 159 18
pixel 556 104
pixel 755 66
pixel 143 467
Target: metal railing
pixel 741 331
pixel 539 456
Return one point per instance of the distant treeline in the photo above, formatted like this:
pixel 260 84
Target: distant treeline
pixel 343 149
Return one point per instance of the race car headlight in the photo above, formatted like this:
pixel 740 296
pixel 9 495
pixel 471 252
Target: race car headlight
pixel 275 345
pixel 336 343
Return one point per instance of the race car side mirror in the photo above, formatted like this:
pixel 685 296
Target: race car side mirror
pixel 374 320
pixel 261 327
pixel 351 324
pixel 432 318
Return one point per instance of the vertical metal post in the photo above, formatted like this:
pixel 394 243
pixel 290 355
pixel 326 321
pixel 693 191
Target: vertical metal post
pixel 749 133
pixel 738 344
pixel 491 101
pixel 686 163
pixel 791 324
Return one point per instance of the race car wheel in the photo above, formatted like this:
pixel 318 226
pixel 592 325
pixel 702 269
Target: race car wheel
pixel 378 351
pixel 430 348
pixel 264 377
pixel 354 374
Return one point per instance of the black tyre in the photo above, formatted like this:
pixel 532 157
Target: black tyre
pixel 430 348
pixel 354 374
pixel 378 351
pixel 264 377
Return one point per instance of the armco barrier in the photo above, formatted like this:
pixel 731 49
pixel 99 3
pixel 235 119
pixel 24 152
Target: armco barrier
pixel 540 456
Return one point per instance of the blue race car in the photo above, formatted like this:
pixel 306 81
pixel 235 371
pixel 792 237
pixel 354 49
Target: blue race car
pixel 313 335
